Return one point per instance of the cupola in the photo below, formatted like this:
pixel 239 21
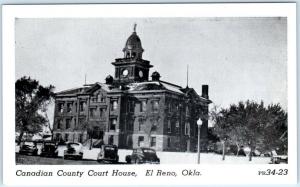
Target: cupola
pixel 109 79
pixel 133 47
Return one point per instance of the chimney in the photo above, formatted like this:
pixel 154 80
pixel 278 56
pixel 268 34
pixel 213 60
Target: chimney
pixel 205 91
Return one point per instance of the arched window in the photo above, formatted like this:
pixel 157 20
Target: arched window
pixel 114 104
pixel 187 128
pixel 133 55
pixel 99 98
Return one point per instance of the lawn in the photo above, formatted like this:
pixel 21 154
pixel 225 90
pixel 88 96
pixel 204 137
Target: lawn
pixel 179 157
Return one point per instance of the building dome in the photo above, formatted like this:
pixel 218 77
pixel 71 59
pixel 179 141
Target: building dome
pixel 133 42
pixel 155 76
pixel 133 47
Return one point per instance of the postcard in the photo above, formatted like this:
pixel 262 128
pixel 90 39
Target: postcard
pixel 149 94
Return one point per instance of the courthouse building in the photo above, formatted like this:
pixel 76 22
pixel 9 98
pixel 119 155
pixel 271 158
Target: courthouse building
pixel 133 109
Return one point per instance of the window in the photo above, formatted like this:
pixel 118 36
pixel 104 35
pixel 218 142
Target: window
pixel 80 121
pixel 75 122
pixel 177 124
pixel 154 124
pixel 113 123
pixel 170 107
pixel 169 142
pixel 141 141
pixel 96 133
pixel 82 106
pixel 138 105
pixel 177 127
pixel 187 111
pixel 129 125
pixel 169 126
pixel 80 138
pixel 93 112
pixel 58 137
pixel 66 137
pixel 111 140
pixel 114 105
pixel 143 106
pixel 58 124
pixel 61 107
pixel 155 106
pixel 68 123
pixel 102 112
pixel 187 129
pixel 131 106
pixel 69 107
pixel 141 123
pixel 153 142
pixel 98 98
pixel 102 99
pixel 177 107
pixel 75 107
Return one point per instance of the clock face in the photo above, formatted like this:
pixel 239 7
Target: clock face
pixel 125 72
pixel 141 74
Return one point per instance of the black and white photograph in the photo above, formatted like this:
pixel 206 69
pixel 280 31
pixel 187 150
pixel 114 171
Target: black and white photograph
pixel 159 90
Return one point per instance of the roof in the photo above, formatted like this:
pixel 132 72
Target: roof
pixel 77 90
pixel 133 42
pixel 136 87
pixel 154 85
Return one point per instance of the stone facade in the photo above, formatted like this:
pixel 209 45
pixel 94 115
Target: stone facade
pixel 129 110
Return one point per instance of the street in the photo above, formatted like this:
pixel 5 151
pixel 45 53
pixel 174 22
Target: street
pixel 38 160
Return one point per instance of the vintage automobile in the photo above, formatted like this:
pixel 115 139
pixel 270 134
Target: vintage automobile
pixel 28 148
pixel 108 153
pixel 143 155
pixel 278 159
pixel 73 151
pixel 49 149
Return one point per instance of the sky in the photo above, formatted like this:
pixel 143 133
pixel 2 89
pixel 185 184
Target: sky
pixel 239 58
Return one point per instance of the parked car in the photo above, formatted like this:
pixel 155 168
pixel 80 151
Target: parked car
pixel 142 155
pixel 74 150
pixel 278 159
pixel 28 148
pixel 108 153
pixel 49 149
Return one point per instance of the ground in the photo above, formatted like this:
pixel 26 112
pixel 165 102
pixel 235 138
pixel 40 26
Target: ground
pixel 37 160
pixel 90 156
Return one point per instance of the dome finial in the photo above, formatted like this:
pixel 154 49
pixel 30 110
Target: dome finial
pixel 134 27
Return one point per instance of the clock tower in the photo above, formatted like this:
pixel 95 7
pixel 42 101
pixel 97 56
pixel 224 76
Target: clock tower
pixel 132 67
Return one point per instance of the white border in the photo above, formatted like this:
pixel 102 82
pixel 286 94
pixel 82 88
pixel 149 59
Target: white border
pixel 212 174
